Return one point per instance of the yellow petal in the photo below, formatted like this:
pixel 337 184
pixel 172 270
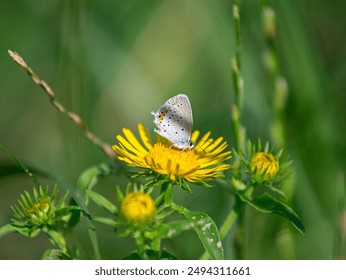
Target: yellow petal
pixel 133 140
pixel 145 136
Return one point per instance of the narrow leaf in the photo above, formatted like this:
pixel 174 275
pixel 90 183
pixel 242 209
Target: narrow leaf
pixel 88 179
pixel 267 204
pixel 62 212
pixel 103 202
pixel 24 168
pixel 206 230
pixel 106 221
pixel 7 229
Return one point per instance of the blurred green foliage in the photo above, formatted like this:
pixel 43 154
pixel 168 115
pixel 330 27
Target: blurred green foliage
pixel 113 62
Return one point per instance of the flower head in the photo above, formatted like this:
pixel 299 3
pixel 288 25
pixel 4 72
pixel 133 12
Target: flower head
pixel 38 210
pixel 201 164
pixel 137 207
pixel 42 212
pixel 260 165
pixel 265 165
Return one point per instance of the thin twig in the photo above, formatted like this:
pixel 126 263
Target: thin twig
pixel 106 148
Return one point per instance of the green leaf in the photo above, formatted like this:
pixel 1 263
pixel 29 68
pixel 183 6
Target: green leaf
pixel 62 212
pixel 89 178
pixel 119 194
pixel 158 183
pixel 267 204
pixel 169 230
pixel 7 229
pixel 24 230
pixel 107 221
pixel 206 230
pixel 55 254
pixel 103 202
pixel 277 192
pixel 75 216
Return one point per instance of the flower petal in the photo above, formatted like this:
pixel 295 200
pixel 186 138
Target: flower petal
pixel 133 140
pixel 145 136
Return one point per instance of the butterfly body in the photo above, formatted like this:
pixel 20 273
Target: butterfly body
pixel 174 121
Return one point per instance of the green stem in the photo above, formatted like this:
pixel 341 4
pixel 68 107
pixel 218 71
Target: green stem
pixel 239 134
pixel 156 244
pixel 238 83
pixel 140 244
pixel 167 194
pixel 236 18
pixel 228 223
pixel 238 237
pixel 57 238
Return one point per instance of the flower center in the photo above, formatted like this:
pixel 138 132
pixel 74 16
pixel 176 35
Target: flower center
pixel 170 161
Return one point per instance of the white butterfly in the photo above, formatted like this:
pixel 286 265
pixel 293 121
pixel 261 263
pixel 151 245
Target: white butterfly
pixel 174 121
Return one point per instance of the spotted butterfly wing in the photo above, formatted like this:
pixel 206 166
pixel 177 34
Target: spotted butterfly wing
pixel 174 121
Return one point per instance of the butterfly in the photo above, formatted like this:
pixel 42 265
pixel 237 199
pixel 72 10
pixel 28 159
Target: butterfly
pixel 174 121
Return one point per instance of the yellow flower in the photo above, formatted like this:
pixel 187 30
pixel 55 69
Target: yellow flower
pixel 201 164
pixel 137 207
pixel 265 164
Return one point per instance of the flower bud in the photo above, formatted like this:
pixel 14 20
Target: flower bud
pixel 138 207
pixel 264 165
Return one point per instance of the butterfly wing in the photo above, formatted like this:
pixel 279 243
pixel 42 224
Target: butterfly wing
pixel 174 121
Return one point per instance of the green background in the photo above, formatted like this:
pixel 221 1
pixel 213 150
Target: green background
pixel 113 62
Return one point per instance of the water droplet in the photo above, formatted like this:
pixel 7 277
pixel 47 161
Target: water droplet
pixel 206 226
